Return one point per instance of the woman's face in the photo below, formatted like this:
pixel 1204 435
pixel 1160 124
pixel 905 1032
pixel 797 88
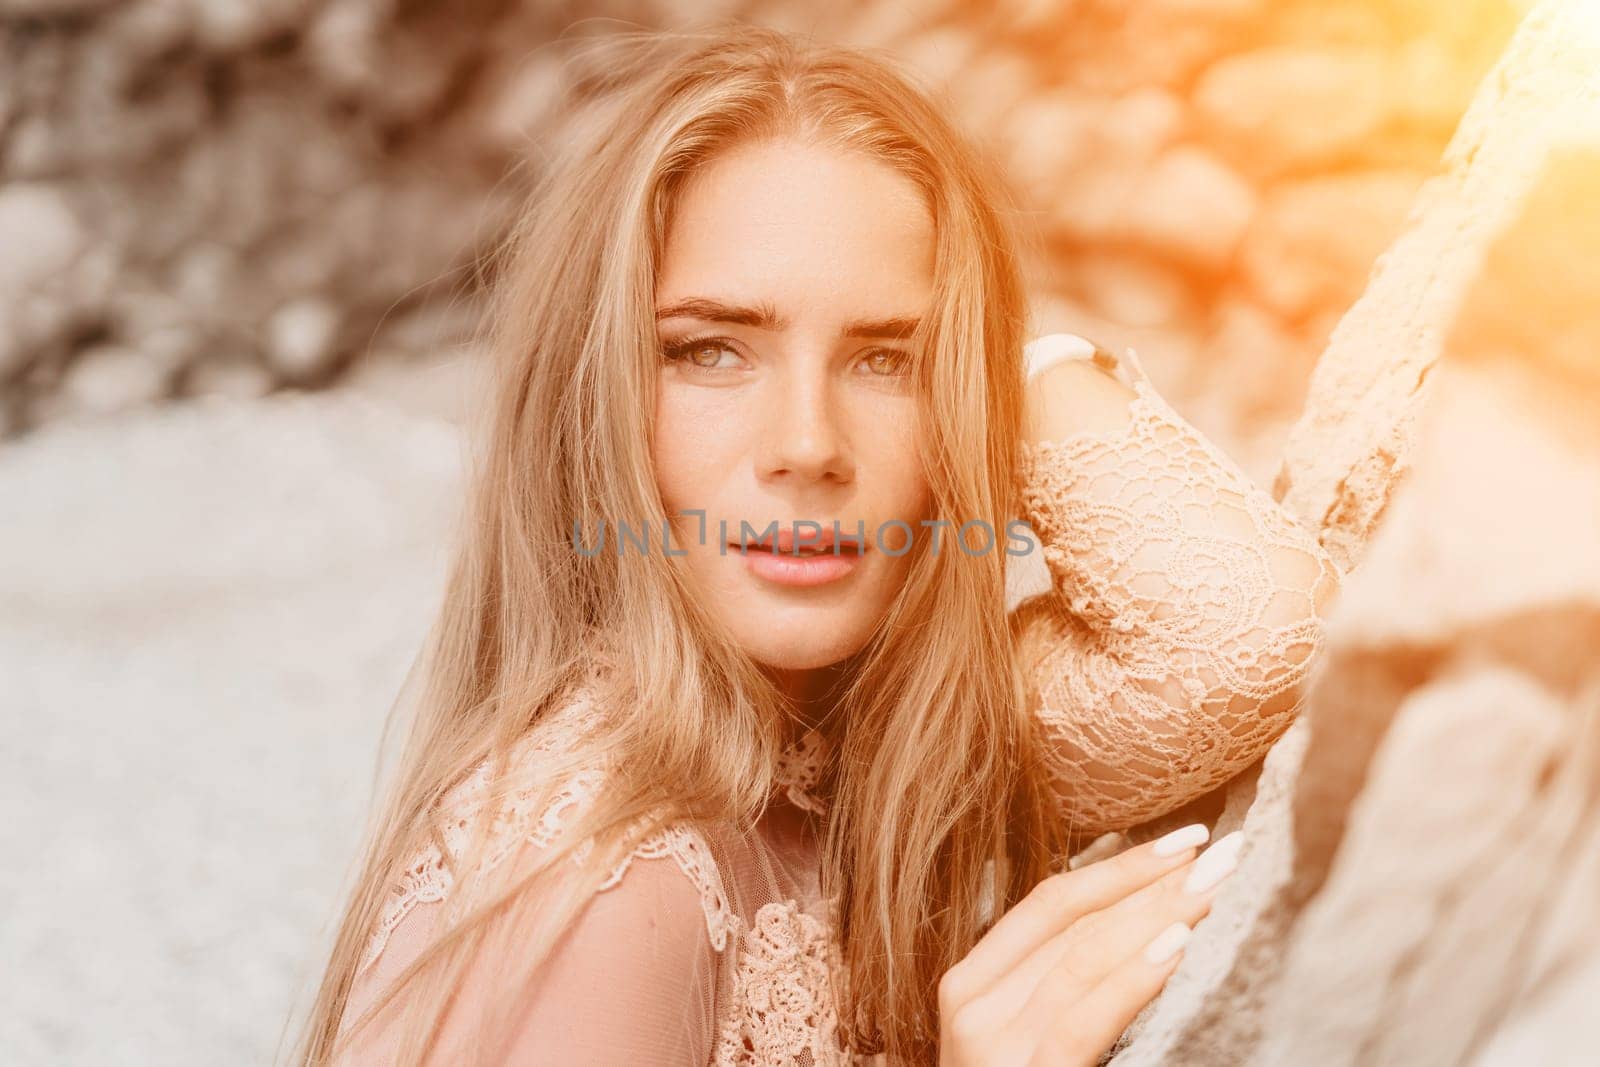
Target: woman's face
pixel 790 280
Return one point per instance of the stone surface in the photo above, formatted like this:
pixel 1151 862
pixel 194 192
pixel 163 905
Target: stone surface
pixel 1191 206
pixel 109 379
pixel 1289 106
pixel 40 236
pixel 1471 815
pixel 302 338
pixel 222 595
pixel 1556 1029
pixel 1314 241
pixel 240 379
pixel 1337 469
pixel 220 601
pixel 365 154
pixel 1417 842
pixel 1479 590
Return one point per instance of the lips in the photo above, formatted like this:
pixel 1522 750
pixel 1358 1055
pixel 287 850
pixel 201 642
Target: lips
pixel 821 564
pixel 789 542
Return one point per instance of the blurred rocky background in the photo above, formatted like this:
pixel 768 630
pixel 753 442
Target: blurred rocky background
pixel 238 248
pixel 1422 855
pixel 220 197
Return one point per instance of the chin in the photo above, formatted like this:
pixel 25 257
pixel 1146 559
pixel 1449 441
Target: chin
pixel 805 648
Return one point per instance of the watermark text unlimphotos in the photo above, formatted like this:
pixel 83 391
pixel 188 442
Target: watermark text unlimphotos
pixel 805 534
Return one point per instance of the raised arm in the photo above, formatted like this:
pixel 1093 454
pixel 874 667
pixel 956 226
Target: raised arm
pixel 1185 606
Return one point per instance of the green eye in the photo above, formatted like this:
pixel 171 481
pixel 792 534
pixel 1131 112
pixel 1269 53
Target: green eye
pixel 888 361
pixel 702 353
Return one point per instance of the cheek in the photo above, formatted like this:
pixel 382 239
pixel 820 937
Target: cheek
pixel 689 449
pixel 899 483
pixel 674 468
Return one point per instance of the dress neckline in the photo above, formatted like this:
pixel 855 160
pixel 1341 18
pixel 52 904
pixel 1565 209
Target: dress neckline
pixel 801 764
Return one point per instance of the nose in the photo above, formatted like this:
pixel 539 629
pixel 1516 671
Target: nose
pixel 806 438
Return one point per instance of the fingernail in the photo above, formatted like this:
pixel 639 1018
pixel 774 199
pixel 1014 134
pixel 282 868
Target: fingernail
pixel 1215 863
pixel 1180 839
pixel 1167 943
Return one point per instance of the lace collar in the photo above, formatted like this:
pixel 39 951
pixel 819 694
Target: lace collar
pixel 800 767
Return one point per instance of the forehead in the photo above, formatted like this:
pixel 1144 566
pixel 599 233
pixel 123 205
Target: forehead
pixel 803 227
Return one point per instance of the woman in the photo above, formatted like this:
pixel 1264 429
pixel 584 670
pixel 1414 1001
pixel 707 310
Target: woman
pixel 728 749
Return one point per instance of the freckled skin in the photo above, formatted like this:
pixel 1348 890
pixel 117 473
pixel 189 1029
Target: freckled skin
pixel 800 422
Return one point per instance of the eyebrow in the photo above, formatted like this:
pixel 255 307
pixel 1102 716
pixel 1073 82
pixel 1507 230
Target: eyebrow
pixel 764 317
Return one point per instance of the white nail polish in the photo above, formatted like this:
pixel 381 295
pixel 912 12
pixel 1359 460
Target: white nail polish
pixel 1180 839
pixel 1215 863
pixel 1167 943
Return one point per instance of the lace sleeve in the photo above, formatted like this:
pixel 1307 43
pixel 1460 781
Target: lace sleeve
pixel 1184 611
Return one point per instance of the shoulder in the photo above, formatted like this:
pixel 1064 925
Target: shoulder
pixel 522 800
pixel 632 977
pixel 652 932
pixel 521 806
pixel 673 863
pixel 631 974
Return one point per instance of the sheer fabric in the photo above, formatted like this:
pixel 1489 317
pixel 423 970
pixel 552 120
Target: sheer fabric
pixel 703 946
pixel 1182 614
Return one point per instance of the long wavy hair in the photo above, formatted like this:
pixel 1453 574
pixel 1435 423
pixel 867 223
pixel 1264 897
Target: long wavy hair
pixel 940 818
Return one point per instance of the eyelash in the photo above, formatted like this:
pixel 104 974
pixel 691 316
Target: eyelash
pixel 678 352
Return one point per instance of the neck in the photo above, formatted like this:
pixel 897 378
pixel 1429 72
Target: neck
pixel 810 692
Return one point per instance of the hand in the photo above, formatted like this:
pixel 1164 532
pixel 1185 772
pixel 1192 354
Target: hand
pixel 1058 977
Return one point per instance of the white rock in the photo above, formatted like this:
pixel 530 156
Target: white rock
pixel 1191 205
pixel 148 29
pixel 938 53
pixel 170 346
pixel 1138 124
pixel 341 44
pixel 301 337
pixel 205 274
pixel 108 378
pixel 1430 83
pixel 1132 289
pixel 40 236
pixel 48 8
pixel 1257 370
pixel 1046 137
pixel 1292 105
pixel 1314 242
pixel 229 25
pixel 1220 10
pixel 236 379
pixel 991 87
pixel 526 104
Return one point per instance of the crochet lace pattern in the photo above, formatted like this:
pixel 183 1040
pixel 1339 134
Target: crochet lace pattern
pixel 780 1000
pixel 429 876
pixel 1184 610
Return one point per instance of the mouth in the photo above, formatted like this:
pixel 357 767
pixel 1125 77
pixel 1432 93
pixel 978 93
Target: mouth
pixel 804 543
pixel 801 559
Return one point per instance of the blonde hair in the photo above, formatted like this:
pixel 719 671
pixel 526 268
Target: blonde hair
pixel 940 815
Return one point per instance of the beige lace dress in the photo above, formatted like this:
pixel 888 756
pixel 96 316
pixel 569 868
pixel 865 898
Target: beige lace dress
pixel 1184 608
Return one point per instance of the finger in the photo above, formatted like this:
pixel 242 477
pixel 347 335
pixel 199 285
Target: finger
pixel 1060 900
pixel 1092 1026
pixel 1069 964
